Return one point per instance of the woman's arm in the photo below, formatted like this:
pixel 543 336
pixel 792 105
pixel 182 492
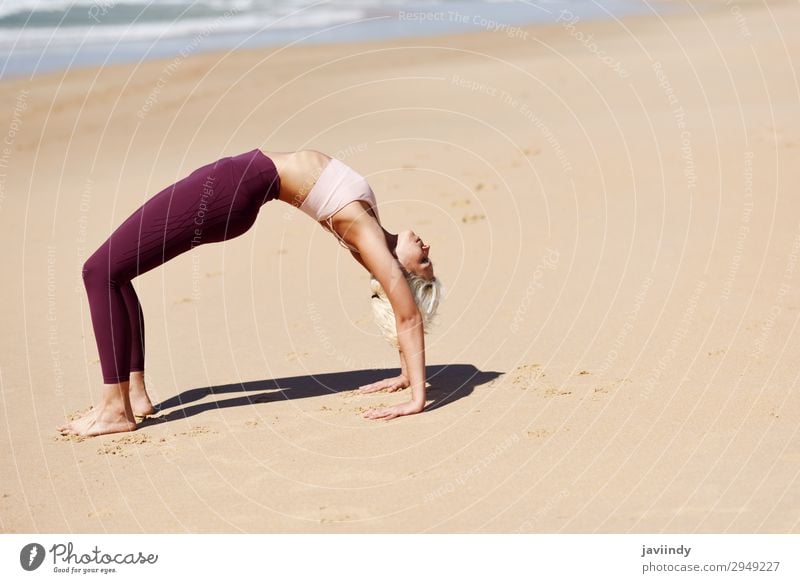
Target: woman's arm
pixel 391 384
pixel 375 256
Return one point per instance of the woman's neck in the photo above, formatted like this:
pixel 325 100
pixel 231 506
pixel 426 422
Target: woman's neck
pixel 391 242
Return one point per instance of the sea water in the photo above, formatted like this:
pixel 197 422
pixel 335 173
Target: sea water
pixel 47 35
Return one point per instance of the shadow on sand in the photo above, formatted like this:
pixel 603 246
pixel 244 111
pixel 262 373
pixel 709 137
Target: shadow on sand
pixel 448 383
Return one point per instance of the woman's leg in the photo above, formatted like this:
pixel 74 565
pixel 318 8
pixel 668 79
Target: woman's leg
pixel 162 228
pixel 140 400
pixel 136 323
pixel 112 330
pixel 216 202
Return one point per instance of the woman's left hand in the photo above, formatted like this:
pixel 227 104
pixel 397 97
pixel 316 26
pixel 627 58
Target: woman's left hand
pixel 389 385
pixel 408 408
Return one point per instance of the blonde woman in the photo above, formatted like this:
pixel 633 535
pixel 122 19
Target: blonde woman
pixel 220 201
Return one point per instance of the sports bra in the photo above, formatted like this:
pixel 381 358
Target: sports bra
pixel 337 185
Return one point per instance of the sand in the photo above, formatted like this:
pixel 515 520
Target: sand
pixel 612 208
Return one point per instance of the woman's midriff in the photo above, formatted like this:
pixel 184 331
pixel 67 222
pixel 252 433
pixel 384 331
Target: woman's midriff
pixel 299 172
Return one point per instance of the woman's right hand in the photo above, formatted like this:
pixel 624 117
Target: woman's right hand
pixel 389 385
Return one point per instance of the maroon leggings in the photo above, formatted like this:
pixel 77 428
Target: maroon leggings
pixel 216 202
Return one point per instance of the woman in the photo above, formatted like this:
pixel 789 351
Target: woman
pixel 220 201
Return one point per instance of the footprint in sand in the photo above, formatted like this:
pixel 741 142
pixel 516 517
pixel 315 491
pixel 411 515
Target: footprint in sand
pixel 556 392
pixel 198 430
pixel 525 375
pixel 601 391
pixel 133 439
pixel 327 515
pixel 474 218
pixel 461 202
pixel 480 186
pixel 113 449
pixel 123 446
pixel 71 437
pixel 117 447
pixel 540 433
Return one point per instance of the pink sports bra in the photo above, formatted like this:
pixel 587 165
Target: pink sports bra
pixel 337 185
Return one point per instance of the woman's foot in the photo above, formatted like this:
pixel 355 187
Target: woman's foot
pixel 140 400
pixel 114 415
pixel 99 422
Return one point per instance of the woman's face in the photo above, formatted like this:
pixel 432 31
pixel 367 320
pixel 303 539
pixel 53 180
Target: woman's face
pixel 412 253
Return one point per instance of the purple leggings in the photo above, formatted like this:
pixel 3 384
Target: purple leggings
pixel 216 202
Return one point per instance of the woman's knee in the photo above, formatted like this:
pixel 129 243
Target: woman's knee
pixel 96 272
pixel 91 273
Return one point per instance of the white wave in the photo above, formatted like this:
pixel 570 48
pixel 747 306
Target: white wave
pixel 11 7
pixel 40 36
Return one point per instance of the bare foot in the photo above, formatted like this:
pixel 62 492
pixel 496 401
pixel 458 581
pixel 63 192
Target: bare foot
pixel 140 400
pixel 66 429
pixel 99 422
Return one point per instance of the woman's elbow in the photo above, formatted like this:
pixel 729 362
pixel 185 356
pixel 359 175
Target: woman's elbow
pixel 409 319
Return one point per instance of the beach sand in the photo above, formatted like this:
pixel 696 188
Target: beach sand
pixel 617 231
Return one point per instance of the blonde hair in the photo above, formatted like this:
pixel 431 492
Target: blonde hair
pixel 426 292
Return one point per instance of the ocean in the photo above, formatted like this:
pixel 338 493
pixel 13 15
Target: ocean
pixel 39 36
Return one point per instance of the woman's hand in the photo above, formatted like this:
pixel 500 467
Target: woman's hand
pixel 387 413
pixel 389 385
